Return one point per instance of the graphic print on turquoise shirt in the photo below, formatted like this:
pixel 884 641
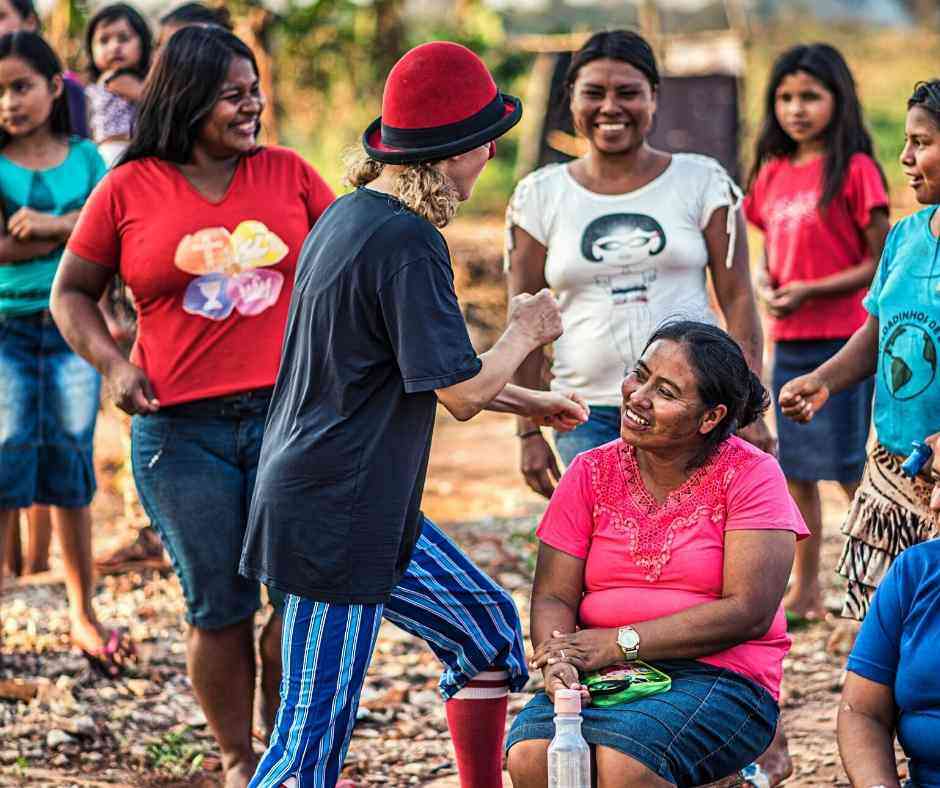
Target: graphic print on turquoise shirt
pixel 24 287
pixel 905 298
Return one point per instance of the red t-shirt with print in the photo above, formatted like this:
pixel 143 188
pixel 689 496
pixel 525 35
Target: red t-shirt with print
pixel 803 243
pixel 212 281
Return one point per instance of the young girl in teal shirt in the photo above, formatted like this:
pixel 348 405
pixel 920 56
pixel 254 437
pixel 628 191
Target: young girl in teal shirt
pixel 900 343
pixel 48 395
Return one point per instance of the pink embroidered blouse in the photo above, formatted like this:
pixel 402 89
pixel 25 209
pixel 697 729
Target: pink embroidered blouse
pixel 646 560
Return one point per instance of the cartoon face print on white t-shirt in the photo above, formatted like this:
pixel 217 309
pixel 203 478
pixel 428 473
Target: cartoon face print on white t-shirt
pixel 623 247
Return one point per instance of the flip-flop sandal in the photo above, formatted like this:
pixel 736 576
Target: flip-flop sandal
pixel 754 775
pixel 111 660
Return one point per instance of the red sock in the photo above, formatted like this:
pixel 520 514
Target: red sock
pixel 476 717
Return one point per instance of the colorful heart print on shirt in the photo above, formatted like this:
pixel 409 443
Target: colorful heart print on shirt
pixel 227 266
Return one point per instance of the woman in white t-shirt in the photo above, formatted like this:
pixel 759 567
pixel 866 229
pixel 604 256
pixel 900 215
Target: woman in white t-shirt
pixel 624 236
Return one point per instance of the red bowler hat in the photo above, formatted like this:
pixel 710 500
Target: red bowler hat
pixel 440 100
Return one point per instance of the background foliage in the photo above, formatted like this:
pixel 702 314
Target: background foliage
pixel 330 58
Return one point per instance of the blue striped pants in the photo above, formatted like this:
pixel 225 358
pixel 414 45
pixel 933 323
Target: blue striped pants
pixel 470 623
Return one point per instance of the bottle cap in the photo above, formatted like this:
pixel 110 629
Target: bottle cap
pixel 567 701
pixel 917 459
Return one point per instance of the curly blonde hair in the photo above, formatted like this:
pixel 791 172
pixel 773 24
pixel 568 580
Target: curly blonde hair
pixel 420 187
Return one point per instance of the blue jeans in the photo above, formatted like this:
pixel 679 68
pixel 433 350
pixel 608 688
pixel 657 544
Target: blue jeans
pixel 710 724
pixel 602 427
pixel 195 466
pixel 49 401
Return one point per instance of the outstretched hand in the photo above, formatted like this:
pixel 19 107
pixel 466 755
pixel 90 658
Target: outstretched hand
pixel 562 412
pixel 802 397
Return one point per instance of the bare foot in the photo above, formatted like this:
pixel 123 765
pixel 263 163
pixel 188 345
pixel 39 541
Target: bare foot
pixel 146 548
pixel 108 653
pixel 87 634
pixel 776 761
pixel 843 637
pixel 239 774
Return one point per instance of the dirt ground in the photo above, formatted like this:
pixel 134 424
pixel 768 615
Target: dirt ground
pixel 148 731
pixel 70 728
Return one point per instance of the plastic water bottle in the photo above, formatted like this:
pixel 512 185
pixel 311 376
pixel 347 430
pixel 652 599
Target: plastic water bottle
pixel 569 757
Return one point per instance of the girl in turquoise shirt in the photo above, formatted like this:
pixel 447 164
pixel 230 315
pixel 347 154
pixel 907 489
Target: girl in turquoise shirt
pixel 48 395
pixel 899 344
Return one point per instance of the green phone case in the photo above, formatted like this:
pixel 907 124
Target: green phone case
pixel 623 682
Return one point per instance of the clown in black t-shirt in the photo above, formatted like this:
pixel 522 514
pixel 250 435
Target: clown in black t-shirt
pixel 375 339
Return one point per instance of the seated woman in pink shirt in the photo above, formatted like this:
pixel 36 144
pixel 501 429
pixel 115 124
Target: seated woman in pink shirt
pixel 671 545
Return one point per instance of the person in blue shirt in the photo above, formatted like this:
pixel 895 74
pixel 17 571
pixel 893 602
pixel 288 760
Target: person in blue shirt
pixel 893 685
pixel 899 343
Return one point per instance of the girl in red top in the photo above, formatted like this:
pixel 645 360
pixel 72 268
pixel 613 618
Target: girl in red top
pixel 819 197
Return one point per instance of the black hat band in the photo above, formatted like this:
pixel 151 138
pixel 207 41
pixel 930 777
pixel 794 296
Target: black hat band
pixel 441 135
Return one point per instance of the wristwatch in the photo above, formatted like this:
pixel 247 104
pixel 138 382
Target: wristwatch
pixel 629 641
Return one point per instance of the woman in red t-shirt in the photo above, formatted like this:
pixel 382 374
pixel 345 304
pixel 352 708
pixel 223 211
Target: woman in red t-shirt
pixel 204 226
pixel 819 197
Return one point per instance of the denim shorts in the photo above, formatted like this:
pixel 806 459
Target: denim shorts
pixel 49 400
pixel 194 466
pixel 709 725
pixel 602 427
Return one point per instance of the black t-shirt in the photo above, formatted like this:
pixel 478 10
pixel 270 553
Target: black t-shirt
pixel 374 328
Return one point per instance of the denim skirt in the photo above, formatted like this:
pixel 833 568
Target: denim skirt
pixel 710 724
pixel 832 445
pixel 49 399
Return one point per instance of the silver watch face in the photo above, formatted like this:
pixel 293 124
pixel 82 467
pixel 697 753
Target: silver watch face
pixel 628 638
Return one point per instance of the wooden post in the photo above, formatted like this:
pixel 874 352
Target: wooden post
pixel 389 41
pixel 537 96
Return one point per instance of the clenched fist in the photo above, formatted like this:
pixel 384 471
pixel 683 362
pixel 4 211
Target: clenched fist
pixel 536 316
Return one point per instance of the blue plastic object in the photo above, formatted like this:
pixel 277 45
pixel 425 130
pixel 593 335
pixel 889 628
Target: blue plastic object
pixel 917 459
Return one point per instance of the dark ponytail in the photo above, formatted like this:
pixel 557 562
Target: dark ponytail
pixel 723 378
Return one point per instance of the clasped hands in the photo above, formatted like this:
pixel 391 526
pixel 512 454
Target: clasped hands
pixel 783 300
pixel 28 224
pixel 563 656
